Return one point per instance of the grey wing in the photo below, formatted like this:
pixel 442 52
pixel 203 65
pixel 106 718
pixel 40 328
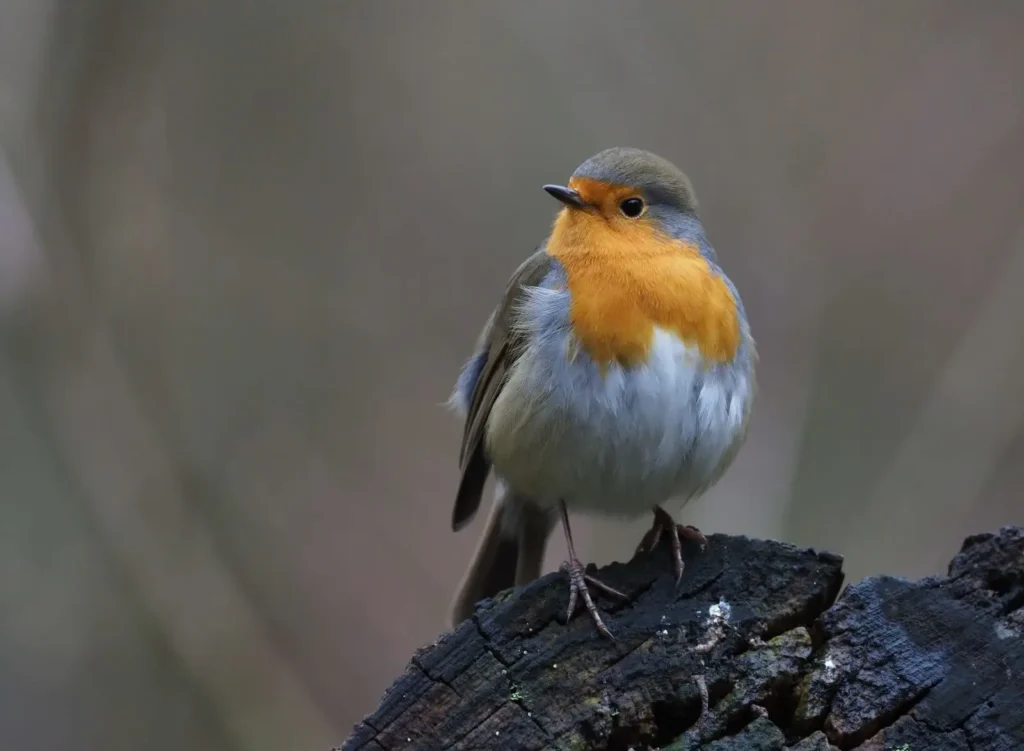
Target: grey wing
pixel 502 348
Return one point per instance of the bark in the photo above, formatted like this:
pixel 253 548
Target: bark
pixel 755 627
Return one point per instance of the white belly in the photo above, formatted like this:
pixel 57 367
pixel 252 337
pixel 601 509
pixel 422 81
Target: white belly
pixel 620 442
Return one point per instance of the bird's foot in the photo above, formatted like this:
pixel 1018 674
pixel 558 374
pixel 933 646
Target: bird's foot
pixel 578 580
pixel 665 524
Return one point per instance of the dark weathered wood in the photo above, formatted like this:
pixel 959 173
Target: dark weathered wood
pixel 895 665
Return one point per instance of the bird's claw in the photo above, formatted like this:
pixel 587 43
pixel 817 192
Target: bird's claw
pixel 578 580
pixel 665 524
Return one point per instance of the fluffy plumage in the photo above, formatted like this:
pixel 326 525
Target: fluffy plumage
pixel 616 374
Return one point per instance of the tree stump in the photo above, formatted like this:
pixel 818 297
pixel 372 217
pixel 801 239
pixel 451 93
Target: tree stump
pixel 751 651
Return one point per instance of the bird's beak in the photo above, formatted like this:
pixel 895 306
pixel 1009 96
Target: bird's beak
pixel 568 196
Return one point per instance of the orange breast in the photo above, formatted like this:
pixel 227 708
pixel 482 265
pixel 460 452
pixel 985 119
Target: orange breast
pixel 626 278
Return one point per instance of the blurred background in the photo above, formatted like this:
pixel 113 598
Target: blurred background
pixel 245 248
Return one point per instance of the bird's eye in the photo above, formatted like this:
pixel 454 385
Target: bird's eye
pixel 632 207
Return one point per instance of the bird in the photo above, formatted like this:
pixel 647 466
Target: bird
pixel 617 373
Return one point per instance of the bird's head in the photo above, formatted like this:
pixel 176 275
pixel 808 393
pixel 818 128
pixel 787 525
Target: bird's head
pixel 627 190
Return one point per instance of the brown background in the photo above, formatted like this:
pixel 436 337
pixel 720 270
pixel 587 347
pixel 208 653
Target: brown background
pixel 245 247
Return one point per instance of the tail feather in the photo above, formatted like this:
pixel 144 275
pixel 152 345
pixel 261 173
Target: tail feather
pixel 507 555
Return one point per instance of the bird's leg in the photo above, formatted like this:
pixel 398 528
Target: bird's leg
pixel 578 579
pixel 665 524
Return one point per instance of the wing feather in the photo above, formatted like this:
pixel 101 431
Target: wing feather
pixel 501 340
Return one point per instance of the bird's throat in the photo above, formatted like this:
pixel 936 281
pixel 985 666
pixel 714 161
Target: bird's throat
pixel 626 279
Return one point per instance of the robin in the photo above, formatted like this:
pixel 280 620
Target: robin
pixel 616 373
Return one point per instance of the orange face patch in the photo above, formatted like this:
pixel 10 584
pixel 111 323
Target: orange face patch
pixel 602 195
pixel 626 277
